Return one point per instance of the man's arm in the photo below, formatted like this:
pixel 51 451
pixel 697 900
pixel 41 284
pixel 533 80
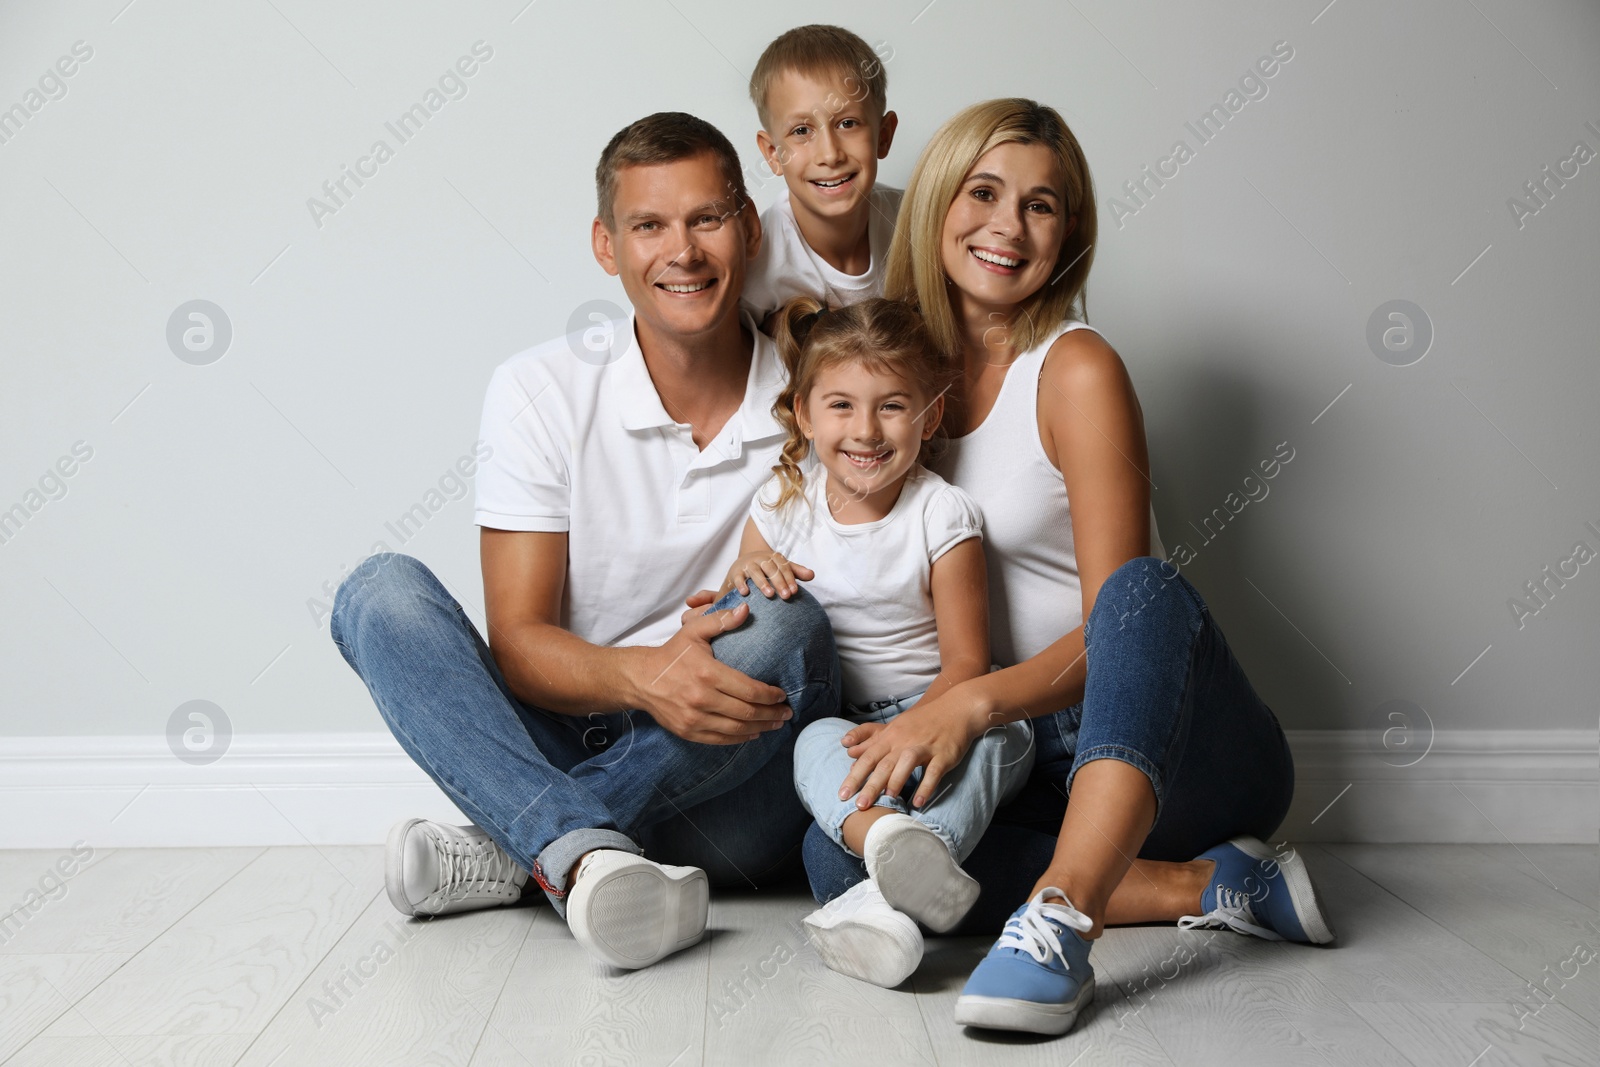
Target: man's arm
pixel 680 684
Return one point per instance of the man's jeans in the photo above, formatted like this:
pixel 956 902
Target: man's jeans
pixel 994 771
pixel 1163 694
pixel 548 788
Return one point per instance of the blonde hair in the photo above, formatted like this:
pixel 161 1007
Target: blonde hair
pixel 915 271
pixel 885 336
pixel 816 50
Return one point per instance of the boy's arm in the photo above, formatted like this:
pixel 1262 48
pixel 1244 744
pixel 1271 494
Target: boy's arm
pixel 679 683
pixel 960 585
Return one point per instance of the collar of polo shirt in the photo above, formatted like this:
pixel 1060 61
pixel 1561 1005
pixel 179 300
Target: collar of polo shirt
pixel 642 408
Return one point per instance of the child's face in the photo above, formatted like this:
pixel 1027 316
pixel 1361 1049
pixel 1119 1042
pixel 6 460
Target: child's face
pixel 867 427
pixel 1003 232
pixel 826 140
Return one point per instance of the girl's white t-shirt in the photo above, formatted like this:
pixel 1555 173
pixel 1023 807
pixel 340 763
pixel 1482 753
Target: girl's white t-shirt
pixel 874 578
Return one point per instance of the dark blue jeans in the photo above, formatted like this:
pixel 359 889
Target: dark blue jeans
pixel 1163 694
pixel 549 787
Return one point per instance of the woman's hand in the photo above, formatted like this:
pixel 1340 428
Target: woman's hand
pixel 934 735
pixel 769 571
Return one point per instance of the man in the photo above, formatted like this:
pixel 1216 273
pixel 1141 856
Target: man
pixel 597 726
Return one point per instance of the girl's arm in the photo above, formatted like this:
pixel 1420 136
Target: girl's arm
pixel 761 565
pixel 1092 429
pixel 960 587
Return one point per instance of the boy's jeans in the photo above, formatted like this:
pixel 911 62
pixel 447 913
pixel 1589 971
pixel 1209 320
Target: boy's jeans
pixel 547 787
pixel 994 771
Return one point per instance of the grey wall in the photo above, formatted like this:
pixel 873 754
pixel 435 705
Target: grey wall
pixel 220 498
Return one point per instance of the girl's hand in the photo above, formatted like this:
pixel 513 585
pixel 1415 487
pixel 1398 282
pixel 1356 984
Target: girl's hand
pixel 769 572
pixel 934 736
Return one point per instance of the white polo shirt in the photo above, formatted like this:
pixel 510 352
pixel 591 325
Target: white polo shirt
pixel 585 447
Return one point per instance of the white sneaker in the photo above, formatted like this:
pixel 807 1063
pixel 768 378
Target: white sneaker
pixel 631 912
pixel 857 933
pixel 917 874
pixel 433 868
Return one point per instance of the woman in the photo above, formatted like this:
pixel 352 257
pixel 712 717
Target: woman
pixel 1152 787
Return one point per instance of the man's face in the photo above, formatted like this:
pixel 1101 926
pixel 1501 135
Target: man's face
pixel 681 245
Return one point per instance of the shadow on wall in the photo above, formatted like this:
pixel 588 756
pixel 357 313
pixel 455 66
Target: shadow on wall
pixel 1225 465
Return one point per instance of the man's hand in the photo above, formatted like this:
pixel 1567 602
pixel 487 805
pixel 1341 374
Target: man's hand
pixel 685 689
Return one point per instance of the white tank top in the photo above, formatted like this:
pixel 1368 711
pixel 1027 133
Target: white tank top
pixel 1035 597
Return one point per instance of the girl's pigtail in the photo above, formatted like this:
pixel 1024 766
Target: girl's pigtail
pixel 795 321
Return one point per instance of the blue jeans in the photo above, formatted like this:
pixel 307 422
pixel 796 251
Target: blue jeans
pixel 547 787
pixel 1164 694
pixel 994 770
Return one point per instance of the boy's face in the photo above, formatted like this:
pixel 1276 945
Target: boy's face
pixel 681 244
pixel 826 140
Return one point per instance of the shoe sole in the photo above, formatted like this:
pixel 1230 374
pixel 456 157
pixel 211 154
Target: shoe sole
pixel 394 878
pixel 636 915
pixel 864 952
pixel 1004 1013
pixel 918 876
pixel 1302 890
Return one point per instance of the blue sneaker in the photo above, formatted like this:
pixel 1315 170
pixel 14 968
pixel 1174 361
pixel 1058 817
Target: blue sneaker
pixel 1037 977
pixel 1255 890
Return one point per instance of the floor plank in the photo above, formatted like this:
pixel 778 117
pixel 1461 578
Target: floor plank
pixel 123 900
pixel 35 990
pixel 1520 922
pixel 772 1000
pixel 1484 1035
pixel 398 990
pixel 229 963
pixel 561 1005
pixel 1573 869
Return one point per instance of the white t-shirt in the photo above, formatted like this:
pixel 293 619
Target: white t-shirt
pixel 874 578
pixel 786 267
pixel 582 445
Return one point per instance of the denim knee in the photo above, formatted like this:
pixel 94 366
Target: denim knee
pixel 787 643
pixel 1144 590
pixel 391 581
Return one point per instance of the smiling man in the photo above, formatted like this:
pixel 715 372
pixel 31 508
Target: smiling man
pixel 623 751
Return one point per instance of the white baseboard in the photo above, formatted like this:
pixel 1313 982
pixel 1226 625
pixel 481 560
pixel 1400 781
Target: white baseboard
pixel 1525 786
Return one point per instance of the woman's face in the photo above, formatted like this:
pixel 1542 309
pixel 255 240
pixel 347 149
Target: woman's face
pixel 1004 229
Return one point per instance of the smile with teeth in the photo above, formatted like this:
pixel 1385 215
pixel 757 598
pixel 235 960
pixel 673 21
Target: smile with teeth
pixel 832 183
pixel 997 259
pixel 868 460
pixel 691 287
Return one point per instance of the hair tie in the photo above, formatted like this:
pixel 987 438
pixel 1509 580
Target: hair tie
pixel 807 323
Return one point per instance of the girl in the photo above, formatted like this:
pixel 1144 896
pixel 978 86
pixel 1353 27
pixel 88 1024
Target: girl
pixel 892 551
pixel 1164 768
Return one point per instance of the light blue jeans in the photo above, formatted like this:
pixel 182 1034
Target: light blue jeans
pixel 995 770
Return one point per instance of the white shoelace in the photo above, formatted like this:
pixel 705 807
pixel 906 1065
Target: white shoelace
pixel 1232 911
pixel 1031 933
pixel 465 865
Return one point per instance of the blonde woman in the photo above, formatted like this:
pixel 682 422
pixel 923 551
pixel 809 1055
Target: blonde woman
pixel 1158 768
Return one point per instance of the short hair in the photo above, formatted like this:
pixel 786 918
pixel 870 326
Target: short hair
pixel 915 271
pixel 665 137
pixel 815 50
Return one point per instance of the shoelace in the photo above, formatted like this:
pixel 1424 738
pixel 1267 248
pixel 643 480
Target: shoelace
pixel 465 864
pixel 1232 911
pixel 1032 933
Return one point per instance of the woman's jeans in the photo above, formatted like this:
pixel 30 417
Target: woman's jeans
pixel 994 771
pixel 1163 694
pixel 547 787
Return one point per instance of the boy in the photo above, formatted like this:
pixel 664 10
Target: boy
pixel 821 94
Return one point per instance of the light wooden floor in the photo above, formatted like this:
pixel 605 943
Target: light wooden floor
pixel 223 956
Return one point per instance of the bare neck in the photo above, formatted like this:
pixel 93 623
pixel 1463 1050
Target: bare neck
pixel 701 379
pixel 844 242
